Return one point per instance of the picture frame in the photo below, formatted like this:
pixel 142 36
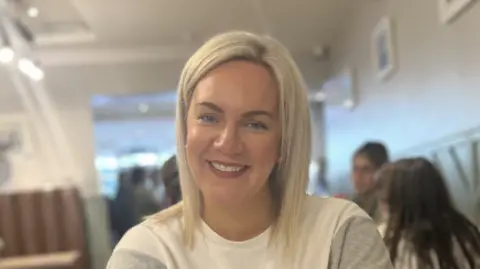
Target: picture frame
pixel 451 9
pixel 383 50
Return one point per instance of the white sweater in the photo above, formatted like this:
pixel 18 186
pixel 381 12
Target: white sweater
pixel 336 234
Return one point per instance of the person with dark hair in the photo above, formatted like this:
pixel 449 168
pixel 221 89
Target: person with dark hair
pixel 139 176
pixel 144 203
pixel 171 181
pixel 423 228
pixel 122 209
pixel 367 160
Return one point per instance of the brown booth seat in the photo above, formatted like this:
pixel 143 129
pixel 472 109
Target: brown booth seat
pixel 43 229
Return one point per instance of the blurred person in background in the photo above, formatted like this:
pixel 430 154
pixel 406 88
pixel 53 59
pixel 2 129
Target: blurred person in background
pixel 122 207
pixel 367 160
pixel 422 228
pixel 244 169
pixel 171 182
pixel 157 186
pixel 144 199
pixel 323 187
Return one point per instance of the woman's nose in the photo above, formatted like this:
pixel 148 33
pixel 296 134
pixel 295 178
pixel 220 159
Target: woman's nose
pixel 229 140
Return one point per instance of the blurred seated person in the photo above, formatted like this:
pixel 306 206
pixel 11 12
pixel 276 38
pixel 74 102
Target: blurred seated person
pixel 144 199
pixel 156 181
pixel 122 213
pixel 422 228
pixel 171 182
pixel 367 160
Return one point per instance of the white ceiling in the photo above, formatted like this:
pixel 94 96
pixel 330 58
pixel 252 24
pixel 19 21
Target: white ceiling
pixel 140 46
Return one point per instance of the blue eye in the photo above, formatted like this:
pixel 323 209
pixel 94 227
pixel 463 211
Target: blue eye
pixel 207 119
pixel 257 126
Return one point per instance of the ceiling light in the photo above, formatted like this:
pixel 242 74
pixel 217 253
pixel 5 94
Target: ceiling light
pixel 27 67
pixel 33 12
pixel 6 55
pixel 143 108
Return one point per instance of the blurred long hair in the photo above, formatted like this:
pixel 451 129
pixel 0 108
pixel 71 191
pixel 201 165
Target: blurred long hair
pixel 422 215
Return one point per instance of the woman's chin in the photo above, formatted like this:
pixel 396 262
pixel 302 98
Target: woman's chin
pixel 225 199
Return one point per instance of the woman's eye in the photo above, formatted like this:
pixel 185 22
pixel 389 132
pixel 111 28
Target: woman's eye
pixel 257 126
pixel 207 119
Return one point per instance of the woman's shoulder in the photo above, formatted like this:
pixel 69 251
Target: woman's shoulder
pixel 337 208
pixel 343 232
pixel 146 245
pixel 328 215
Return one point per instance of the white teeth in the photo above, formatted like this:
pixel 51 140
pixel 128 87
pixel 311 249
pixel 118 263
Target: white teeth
pixel 225 168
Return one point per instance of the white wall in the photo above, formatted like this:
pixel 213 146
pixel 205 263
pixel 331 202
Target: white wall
pixel 34 169
pixel 78 126
pixel 31 171
pixel 434 93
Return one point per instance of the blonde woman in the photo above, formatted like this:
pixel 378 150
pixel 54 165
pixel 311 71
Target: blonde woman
pixel 243 132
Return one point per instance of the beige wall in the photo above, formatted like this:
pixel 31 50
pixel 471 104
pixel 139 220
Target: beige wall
pixel 33 170
pixel 434 93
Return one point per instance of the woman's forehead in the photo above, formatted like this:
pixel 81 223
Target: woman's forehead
pixel 239 85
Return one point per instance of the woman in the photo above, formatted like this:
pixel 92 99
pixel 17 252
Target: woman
pixel 424 230
pixel 367 160
pixel 243 131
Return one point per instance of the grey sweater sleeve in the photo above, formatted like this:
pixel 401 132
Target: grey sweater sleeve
pixel 358 245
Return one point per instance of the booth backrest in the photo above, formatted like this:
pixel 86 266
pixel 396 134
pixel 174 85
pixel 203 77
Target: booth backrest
pixel 41 222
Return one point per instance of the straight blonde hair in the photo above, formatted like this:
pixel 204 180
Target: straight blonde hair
pixel 290 178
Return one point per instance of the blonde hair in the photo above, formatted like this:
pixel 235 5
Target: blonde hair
pixel 291 176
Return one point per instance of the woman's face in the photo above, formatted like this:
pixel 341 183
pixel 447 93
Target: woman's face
pixel 363 173
pixel 233 133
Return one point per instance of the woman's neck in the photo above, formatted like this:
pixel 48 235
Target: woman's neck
pixel 241 222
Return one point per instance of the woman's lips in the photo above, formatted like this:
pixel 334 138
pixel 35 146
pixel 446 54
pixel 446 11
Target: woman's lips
pixel 224 170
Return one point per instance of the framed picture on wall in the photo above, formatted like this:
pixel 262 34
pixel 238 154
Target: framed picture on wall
pixel 450 9
pixel 383 50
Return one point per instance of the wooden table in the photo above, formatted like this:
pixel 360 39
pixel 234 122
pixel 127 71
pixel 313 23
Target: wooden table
pixel 59 260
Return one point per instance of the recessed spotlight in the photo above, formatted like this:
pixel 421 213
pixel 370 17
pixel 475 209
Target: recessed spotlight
pixel 143 108
pixel 27 67
pixel 6 55
pixel 33 12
